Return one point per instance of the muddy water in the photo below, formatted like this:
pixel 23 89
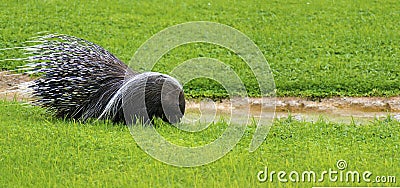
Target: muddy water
pixel 342 110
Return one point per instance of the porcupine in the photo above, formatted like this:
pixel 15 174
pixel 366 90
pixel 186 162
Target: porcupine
pixel 81 80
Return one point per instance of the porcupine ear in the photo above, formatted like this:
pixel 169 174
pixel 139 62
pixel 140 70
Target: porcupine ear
pixel 78 77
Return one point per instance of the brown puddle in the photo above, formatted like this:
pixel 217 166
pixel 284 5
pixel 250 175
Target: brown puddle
pixel 343 110
pixel 337 109
pixel 9 89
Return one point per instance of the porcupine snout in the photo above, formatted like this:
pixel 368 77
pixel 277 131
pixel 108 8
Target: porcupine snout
pixel 150 95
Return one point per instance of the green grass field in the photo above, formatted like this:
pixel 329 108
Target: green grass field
pixel 315 49
pixel 36 150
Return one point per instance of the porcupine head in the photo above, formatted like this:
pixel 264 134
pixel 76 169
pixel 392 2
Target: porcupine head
pixel 152 94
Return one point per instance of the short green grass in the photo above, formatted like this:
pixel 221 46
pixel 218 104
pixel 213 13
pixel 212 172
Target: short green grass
pixel 316 48
pixel 37 150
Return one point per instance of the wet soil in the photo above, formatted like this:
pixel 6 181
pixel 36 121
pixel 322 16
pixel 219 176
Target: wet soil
pixel 336 108
pixel 9 88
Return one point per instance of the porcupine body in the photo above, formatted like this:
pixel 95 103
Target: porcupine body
pixel 81 80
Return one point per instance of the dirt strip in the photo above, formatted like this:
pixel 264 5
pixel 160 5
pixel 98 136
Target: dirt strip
pixel 366 104
pixel 9 81
pixel 10 91
pixel 9 86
